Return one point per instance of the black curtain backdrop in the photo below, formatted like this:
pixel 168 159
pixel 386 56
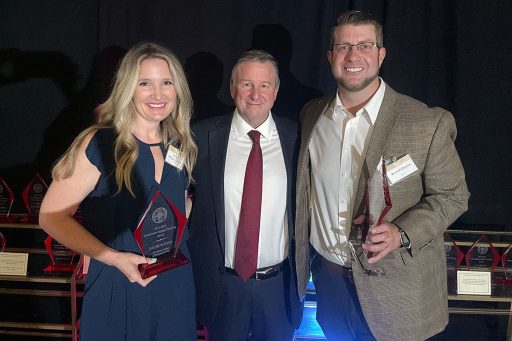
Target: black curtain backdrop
pixel 57 59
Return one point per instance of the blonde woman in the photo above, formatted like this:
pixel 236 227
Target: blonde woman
pixel 112 170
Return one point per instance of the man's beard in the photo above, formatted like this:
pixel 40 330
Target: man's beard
pixel 356 87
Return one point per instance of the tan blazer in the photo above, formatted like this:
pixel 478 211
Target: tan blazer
pixel 410 301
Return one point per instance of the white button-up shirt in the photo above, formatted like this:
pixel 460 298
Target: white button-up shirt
pixel 337 150
pixel 272 245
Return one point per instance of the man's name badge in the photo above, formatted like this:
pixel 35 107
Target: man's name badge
pixel 174 157
pixel 400 169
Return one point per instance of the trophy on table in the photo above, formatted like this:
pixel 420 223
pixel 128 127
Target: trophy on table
pixel 159 234
pixel 62 259
pixel 454 255
pixel 506 263
pixel 482 254
pixel 3 242
pixel 377 205
pixel 6 202
pixel 33 195
pixel 506 258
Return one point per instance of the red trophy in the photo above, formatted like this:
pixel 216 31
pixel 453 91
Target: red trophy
pixel 454 254
pixel 6 202
pixel 482 254
pixel 159 234
pixel 506 259
pixel 33 195
pixel 2 242
pixel 506 262
pixel 377 204
pixel 62 259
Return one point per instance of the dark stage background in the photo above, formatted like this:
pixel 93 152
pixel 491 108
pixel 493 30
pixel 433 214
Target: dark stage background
pixel 57 59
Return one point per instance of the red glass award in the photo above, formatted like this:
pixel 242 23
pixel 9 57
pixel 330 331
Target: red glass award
pixel 506 258
pixel 505 278
pixel 454 255
pixel 62 259
pixel 6 202
pixel 33 195
pixel 482 254
pixel 377 204
pixel 2 242
pixel 159 234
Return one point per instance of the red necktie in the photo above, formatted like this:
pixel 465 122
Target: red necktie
pixel 246 253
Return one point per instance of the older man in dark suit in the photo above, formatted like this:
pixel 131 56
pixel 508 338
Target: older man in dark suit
pixel 241 225
pixel 399 292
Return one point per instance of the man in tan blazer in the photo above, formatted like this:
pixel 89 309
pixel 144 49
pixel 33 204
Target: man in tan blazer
pixel 345 139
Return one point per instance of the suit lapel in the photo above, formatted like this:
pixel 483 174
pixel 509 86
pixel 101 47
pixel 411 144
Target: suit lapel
pixel 383 126
pixel 311 117
pixel 287 140
pixel 286 144
pixel 217 145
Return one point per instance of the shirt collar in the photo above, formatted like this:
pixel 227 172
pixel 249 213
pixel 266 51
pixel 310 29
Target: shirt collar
pixel 372 107
pixel 241 127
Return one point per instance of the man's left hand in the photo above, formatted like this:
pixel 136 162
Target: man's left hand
pixel 381 240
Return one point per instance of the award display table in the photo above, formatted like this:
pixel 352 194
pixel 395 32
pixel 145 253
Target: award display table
pixel 38 304
pixel 477 245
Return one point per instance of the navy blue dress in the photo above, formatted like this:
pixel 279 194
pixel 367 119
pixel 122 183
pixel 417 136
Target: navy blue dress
pixel 113 308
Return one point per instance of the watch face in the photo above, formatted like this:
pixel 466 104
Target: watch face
pixel 404 241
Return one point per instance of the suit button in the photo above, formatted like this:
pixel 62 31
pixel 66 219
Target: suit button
pixel 222 269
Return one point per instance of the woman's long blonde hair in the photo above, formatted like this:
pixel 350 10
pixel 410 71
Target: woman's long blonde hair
pixel 118 112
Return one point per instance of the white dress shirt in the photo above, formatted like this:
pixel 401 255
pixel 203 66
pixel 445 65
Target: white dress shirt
pixel 272 245
pixel 337 151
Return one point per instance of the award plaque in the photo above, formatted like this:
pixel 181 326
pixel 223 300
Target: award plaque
pixel 482 254
pixel 377 205
pixel 159 234
pixel 454 255
pixel 33 195
pixel 6 202
pixel 62 259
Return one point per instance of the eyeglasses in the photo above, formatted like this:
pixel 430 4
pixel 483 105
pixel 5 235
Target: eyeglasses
pixel 364 47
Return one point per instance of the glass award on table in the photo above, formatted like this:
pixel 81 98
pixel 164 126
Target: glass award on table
pixel 62 259
pixel 6 202
pixel 454 255
pixel 377 205
pixel 505 277
pixel 159 234
pixel 33 195
pixel 506 258
pixel 482 254
pixel 3 241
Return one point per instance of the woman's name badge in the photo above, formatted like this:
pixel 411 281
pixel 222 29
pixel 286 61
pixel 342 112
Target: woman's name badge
pixel 400 169
pixel 174 158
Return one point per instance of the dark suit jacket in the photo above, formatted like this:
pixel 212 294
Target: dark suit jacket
pixel 410 301
pixel 206 221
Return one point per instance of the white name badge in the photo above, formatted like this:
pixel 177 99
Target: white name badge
pixel 14 264
pixel 174 158
pixel 400 169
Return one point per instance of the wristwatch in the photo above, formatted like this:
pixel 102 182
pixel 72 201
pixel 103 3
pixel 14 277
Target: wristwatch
pixel 404 240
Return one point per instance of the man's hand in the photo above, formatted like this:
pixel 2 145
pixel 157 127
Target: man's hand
pixel 381 240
